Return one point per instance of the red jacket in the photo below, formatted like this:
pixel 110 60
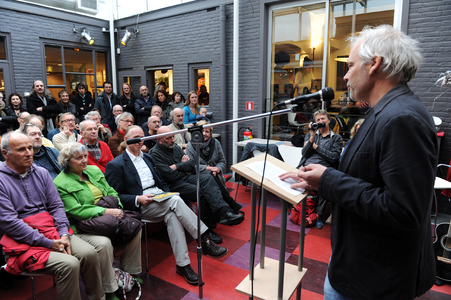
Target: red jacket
pixel 107 156
pixel 25 257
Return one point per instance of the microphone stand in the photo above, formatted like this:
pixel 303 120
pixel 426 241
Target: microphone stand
pixel 196 139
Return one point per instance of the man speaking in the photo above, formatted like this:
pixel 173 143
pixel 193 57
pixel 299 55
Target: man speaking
pixel 382 190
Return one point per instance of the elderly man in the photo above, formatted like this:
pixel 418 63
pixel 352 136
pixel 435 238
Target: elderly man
pixel 105 102
pixel 38 120
pixel 29 202
pixel 321 146
pixel 21 119
pixel 99 153
pixel 153 125
pixel 123 121
pixel 42 103
pixel 135 177
pixel 382 190
pixel 117 110
pixel 181 140
pixel 67 135
pixel 45 157
pixel 179 172
pixel 103 134
pixel 143 105
pixel 156 111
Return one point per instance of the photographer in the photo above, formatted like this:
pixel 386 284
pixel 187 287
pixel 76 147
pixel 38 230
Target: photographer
pixel 321 146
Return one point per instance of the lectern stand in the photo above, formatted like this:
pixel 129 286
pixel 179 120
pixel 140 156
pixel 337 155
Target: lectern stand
pixel 272 279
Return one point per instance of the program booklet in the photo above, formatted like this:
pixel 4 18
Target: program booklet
pixel 163 196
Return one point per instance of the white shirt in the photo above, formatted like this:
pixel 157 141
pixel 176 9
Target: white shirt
pixel 143 170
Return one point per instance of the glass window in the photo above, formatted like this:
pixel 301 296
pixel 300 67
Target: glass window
pixel 2 48
pixel 2 85
pixel 297 58
pixel 166 77
pixel 202 84
pixel 78 67
pixel 54 65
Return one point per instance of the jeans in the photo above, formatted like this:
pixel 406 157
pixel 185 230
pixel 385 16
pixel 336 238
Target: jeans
pixel 330 293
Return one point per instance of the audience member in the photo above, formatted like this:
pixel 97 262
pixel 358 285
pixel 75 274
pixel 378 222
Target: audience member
pixel 321 146
pixel 83 100
pixel 39 121
pixel 99 154
pixel 191 108
pixel 105 102
pixel 212 161
pixel 153 126
pixel 23 215
pixel 8 119
pixel 42 103
pixel 204 97
pixel 45 157
pixel 179 171
pixel 157 112
pixel 58 129
pixel 67 135
pixel 163 103
pixel 123 121
pixel 143 105
pixel 21 119
pixel 177 124
pixel 103 132
pixel 81 186
pixel 135 177
pixel 15 101
pixel 178 101
pixel 65 105
pixel 128 99
pixel 202 116
pixel 117 110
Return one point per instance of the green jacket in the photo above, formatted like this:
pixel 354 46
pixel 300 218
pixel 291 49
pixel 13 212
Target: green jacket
pixel 77 196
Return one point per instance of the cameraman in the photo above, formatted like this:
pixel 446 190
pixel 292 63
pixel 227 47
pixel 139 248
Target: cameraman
pixel 321 146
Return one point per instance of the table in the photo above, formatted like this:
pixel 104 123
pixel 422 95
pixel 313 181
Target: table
pixel 441 183
pixel 263 141
pixel 272 282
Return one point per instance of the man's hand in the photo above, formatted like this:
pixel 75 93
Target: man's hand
pixel 144 149
pixel 145 199
pixel 185 158
pixel 173 167
pixel 115 212
pixel 62 245
pixel 67 131
pixel 39 109
pixel 213 170
pixel 309 176
pixel 100 126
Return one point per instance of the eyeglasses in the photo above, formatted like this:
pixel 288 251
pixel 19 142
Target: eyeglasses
pixel 33 134
pixel 69 120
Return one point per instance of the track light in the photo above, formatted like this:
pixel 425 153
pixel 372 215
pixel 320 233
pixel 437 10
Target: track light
pixel 126 38
pixel 87 37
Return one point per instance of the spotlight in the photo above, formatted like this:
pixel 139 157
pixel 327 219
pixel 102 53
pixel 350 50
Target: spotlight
pixel 126 38
pixel 87 37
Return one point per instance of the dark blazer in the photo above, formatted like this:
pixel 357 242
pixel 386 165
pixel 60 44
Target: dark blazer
pixel 382 195
pixel 122 176
pixel 103 105
pixel 77 100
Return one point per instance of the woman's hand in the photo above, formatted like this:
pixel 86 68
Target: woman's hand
pixel 115 212
pixel 213 170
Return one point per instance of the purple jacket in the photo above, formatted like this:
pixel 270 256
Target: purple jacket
pixel 24 197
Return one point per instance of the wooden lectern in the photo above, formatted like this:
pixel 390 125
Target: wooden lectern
pixel 272 279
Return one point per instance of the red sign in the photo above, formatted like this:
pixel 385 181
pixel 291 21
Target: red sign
pixel 250 105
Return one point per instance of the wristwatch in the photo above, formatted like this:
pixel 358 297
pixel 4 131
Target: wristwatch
pixel 66 234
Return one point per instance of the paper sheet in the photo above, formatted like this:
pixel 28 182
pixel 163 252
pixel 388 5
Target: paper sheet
pixel 272 173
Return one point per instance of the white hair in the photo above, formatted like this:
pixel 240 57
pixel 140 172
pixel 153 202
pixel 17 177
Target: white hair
pixel 400 53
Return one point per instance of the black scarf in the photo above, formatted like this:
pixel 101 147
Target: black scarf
pixel 207 148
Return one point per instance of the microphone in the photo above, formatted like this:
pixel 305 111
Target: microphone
pixel 326 94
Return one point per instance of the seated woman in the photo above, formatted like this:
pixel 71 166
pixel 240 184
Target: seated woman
pixel 191 108
pixel 81 186
pixel 212 160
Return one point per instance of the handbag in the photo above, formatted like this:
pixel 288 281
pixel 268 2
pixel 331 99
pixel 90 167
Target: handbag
pixel 125 281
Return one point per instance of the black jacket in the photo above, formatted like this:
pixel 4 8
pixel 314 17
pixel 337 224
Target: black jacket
pixel 103 105
pixel 382 197
pixel 77 100
pixel 8 121
pixel 128 105
pixel 122 176
pixel 143 114
pixel 51 110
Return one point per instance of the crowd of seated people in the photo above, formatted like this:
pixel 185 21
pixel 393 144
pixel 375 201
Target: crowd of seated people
pixel 88 178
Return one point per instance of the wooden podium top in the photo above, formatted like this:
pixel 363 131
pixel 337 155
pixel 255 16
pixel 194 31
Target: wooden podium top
pixel 244 171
